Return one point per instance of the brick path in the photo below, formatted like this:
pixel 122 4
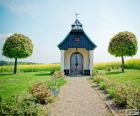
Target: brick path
pixel 78 98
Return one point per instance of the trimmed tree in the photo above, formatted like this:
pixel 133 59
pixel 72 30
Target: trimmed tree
pixel 17 46
pixel 123 44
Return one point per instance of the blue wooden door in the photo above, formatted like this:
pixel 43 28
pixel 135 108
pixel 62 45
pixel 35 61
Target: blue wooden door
pixel 76 64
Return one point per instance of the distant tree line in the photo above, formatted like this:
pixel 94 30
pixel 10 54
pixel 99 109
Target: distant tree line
pixel 2 63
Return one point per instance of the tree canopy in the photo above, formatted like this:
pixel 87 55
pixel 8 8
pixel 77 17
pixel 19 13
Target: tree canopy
pixel 123 44
pixel 18 46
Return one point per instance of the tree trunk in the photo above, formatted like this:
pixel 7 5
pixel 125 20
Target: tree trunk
pixel 122 64
pixel 15 66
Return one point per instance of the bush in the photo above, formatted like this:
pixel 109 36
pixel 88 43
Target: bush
pixel 40 92
pixel 102 85
pixel 20 106
pixel 111 91
pixel 123 96
pixel 97 79
pixel 96 76
pixel 55 83
pixel 58 74
pixel 133 98
pixel 120 97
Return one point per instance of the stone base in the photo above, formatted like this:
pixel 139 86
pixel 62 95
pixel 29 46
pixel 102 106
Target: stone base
pixel 85 73
pixel 66 72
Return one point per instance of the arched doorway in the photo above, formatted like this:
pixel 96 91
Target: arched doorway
pixel 76 64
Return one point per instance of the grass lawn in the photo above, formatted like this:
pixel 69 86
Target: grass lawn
pixel 18 84
pixel 129 77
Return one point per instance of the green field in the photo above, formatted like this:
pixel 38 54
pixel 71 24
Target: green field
pixel 129 77
pixel 18 84
pixel 129 64
pixel 30 68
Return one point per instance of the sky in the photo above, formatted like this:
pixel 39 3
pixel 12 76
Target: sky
pixel 47 22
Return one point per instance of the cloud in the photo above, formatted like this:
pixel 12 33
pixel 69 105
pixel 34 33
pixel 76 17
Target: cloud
pixel 24 7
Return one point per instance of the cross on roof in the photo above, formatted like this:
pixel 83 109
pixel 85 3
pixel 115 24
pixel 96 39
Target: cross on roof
pixel 76 14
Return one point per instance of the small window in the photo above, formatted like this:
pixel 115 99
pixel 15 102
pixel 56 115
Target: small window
pixel 77 39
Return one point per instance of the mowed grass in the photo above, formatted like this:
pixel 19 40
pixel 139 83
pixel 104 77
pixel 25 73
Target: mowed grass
pixel 18 84
pixel 129 77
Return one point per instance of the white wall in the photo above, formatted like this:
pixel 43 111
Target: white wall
pixel 91 61
pixel 62 60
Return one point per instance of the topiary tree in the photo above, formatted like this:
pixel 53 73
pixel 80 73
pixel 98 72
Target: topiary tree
pixel 123 44
pixel 17 46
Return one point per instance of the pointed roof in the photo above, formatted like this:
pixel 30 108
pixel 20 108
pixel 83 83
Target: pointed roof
pixel 77 38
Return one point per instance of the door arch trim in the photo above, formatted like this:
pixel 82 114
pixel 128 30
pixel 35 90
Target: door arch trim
pixel 82 70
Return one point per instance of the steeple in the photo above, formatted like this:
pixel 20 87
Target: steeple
pixel 77 38
pixel 76 25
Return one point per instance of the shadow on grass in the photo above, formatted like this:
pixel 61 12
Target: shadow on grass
pixel 114 73
pixel 43 74
pixel 5 74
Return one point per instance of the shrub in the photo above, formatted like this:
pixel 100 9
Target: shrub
pixel 123 95
pixel 120 97
pixel 58 74
pixel 133 98
pixel 55 83
pixel 60 82
pixel 111 91
pixel 96 76
pixel 20 106
pixel 102 85
pixel 97 79
pixel 41 93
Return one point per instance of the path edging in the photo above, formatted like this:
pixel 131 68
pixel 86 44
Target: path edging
pixel 106 103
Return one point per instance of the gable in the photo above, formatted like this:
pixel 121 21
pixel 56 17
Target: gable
pixel 77 39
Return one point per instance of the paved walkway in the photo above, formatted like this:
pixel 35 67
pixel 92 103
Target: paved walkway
pixel 78 98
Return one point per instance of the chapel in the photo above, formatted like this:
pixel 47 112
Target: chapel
pixel 77 52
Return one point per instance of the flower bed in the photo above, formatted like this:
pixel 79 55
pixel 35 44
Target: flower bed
pixel 122 95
